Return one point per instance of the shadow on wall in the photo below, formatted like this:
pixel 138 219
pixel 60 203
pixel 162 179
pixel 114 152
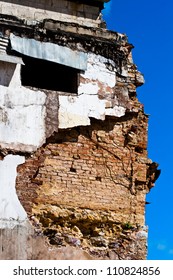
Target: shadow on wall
pixel 7 71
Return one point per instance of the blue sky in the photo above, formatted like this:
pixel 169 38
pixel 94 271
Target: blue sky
pixel 149 27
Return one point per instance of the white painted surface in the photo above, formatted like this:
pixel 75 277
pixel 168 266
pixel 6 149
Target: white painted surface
pixel 11 209
pixel 77 110
pixel 97 70
pixel 90 88
pixel 22 116
pixel 117 111
pixel 97 79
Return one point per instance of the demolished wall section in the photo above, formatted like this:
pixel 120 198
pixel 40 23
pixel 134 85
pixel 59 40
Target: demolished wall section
pixel 80 154
pixel 75 187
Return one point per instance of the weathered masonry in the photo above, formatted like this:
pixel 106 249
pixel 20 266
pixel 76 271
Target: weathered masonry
pixel 74 170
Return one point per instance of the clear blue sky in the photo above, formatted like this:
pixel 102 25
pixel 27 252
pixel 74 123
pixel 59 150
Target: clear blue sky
pixel 149 27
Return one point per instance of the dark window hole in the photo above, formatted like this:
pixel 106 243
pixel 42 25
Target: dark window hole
pixel 48 75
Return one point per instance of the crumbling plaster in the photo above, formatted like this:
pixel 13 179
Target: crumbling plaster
pixel 11 210
pixel 77 161
pixel 77 110
pixel 18 125
pixel 99 77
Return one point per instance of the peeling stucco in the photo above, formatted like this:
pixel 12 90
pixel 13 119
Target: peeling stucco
pixel 11 210
pixel 77 110
pixel 18 124
pixel 74 169
pixel 97 70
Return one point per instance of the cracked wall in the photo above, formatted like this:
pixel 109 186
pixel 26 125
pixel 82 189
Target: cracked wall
pixel 77 154
pixel 88 190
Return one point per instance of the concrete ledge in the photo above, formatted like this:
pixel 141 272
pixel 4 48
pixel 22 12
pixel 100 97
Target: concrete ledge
pixel 11 59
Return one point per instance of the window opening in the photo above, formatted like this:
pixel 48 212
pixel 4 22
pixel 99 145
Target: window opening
pixel 48 75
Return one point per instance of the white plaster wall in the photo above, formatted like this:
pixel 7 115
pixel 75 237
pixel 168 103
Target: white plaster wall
pixel 100 77
pixel 98 71
pixel 117 111
pixel 23 111
pixel 77 110
pixel 11 210
pixel 22 116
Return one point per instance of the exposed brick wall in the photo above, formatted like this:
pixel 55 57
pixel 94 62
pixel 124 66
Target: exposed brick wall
pixel 93 167
pixel 103 168
pixel 86 186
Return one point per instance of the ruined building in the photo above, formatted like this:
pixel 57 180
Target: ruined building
pixel 74 170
